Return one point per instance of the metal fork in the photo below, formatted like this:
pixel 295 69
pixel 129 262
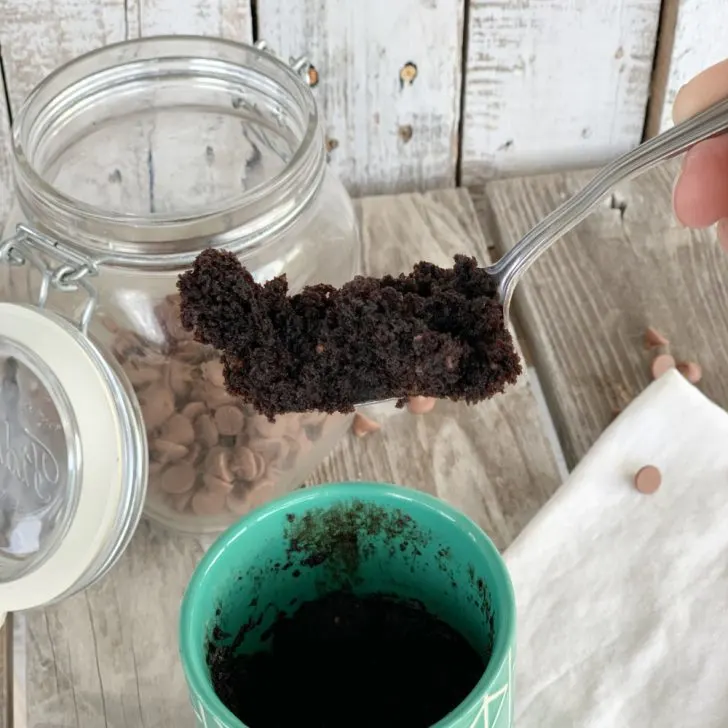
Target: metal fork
pixel 509 269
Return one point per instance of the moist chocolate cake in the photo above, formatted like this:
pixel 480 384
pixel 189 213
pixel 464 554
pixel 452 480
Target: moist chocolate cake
pixel 435 332
pixel 348 660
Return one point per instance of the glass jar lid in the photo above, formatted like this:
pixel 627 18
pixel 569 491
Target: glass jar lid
pixel 70 455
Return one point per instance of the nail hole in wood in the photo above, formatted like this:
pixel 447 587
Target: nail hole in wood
pixel 407 74
pixel 405 133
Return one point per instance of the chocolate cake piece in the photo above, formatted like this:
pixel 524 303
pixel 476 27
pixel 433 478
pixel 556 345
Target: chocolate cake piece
pixel 435 332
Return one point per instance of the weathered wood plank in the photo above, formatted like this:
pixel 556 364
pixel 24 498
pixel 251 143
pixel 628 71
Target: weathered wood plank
pixel 108 657
pixel 697 28
pixel 5 674
pixel 586 304
pixel 198 143
pixel 38 36
pixel 225 18
pixel 35 38
pixel 552 85
pixel 492 460
pixel 389 84
pixel 6 176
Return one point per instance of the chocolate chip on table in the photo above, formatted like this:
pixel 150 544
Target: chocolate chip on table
pixel 420 405
pixel 661 364
pixel 691 370
pixel 210 455
pixel 363 426
pixel 654 339
pixel 648 479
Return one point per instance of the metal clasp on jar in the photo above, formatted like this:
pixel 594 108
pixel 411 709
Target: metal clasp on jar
pixel 301 65
pixel 28 246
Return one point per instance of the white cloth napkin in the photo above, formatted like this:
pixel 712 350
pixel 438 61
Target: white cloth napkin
pixel 623 597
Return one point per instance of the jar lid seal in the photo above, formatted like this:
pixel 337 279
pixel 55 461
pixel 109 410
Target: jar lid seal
pixel 62 469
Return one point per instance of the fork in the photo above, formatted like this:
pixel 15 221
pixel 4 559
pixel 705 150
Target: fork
pixel 509 269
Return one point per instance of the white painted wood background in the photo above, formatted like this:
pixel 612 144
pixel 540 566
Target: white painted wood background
pixel 502 87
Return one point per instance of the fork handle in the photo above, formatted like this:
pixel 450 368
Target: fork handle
pixel 674 141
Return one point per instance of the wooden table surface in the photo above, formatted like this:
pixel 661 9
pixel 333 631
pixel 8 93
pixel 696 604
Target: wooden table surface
pixel 108 657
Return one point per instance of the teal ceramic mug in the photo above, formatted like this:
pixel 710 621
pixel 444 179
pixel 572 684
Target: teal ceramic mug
pixel 443 560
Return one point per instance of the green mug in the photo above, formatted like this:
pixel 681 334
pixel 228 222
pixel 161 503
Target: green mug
pixel 446 562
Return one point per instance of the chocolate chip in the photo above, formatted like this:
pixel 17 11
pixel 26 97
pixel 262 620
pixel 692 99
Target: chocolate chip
pixel 192 410
pixel 229 420
pixel 214 396
pixel 210 454
pixel 141 374
pixel 157 403
pixel 206 430
pixel 212 482
pixel 648 479
pixel 691 370
pixel 178 478
pixel 180 378
pixel 217 463
pixel 662 364
pixel 178 429
pixel 363 426
pixel 654 339
pixel 212 371
pixel 244 463
pixel 208 502
pixel 164 451
pixel 420 405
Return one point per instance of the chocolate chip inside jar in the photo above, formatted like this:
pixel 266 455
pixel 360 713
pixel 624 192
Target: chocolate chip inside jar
pixel 436 332
pixel 211 456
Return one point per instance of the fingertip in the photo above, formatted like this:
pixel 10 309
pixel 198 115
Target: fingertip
pixel 704 90
pixel 700 195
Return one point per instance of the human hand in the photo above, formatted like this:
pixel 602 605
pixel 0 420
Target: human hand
pixel 700 198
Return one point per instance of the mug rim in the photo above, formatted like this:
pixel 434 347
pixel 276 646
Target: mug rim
pixel 193 660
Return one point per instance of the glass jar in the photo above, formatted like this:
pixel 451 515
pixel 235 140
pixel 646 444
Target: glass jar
pixel 138 156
